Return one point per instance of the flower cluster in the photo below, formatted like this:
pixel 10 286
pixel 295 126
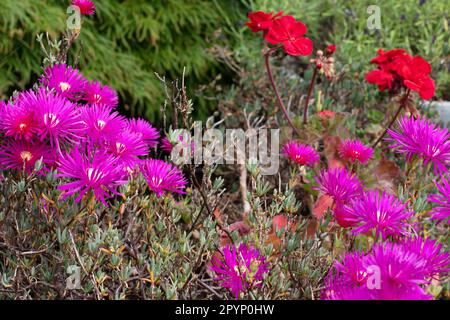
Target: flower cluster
pixel 390 271
pixel 70 124
pixel 397 69
pixel 283 30
pixel 421 138
pixel 239 268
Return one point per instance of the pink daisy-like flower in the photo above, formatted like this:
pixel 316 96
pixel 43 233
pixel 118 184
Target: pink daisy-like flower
pixel 400 270
pixel 100 123
pixel 442 211
pixel 99 173
pixel 351 270
pixel 127 147
pixel 339 184
pixel 95 93
pixel 239 268
pixel 391 271
pixel 87 7
pixel 57 118
pixel 185 143
pixel 18 121
pixel 144 130
pixel 65 80
pixel 162 176
pixel 338 292
pixel 355 150
pixel 300 153
pixel 383 213
pixel 424 139
pixel 20 155
pixel 436 261
pixel 166 145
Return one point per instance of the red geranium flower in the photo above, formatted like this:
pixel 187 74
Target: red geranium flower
pixel 383 79
pixel 261 21
pixel 385 58
pixel 416 77
pixel 398 69
pixel 289 32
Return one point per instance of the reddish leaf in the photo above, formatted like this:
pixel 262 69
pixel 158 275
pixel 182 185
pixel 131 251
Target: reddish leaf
pixel 323 203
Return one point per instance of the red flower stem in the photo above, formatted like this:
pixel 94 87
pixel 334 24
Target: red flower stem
pixel 308 96
pixel 277 93
pixel 400 108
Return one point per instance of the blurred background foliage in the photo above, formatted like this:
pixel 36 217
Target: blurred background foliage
pixel 127 41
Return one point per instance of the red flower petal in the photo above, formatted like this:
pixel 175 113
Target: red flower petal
pixel 411 85
pixel 300 47
pixel 297 30
pixel 427 90
pixel 280 30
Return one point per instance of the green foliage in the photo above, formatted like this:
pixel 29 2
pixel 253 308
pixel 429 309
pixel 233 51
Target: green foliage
pixel 123 45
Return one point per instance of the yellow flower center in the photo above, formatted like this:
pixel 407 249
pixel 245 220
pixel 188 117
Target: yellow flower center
pixel 64 86
pixel 26 156
pixel 22 126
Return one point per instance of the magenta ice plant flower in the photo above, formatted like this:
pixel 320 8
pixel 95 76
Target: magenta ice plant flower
pixel 437 261
pixel 18 121
pixel 339 184
pixel 350 270
pixel 302 154
pixel 86 7
pixel 57 118
pixel 144 130
pixel 162 177
pixel 22 155
pixel 400 270
pixel 127 147
pixel 65 80
pixel 166 145
pixel 355 150
pixel 421 138
pixel 381 212
pixel 390 271
pixel 239 268
pixel 95 93
pixel 441 211
pixel 101 123
pixel 97 172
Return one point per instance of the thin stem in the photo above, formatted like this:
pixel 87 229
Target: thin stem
pixel 400 108
pixel 277 93
pixel 308 96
